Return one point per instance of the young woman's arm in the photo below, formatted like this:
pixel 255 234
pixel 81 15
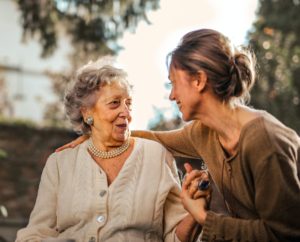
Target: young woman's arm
pixel 178 142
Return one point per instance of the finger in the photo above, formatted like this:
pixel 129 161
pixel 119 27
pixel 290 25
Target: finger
pixel 188 168
pixel 69 145
pixel 193 175
pixel 74 143
pixel 184 193
pixel 198 194
pixel 184 187
pixel 193 188
pixel 204 175
pixel 80 140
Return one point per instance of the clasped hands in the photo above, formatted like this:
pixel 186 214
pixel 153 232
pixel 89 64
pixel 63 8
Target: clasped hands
pixel 196 193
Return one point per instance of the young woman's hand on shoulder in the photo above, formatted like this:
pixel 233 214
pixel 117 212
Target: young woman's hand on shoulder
pixel 73 143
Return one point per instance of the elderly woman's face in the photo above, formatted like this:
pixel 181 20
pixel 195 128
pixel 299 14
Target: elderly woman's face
pixel 112 112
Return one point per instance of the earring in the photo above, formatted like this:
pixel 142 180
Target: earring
pixel 89 120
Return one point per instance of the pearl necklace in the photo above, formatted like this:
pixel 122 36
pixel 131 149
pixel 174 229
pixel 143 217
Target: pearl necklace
pixel 107 154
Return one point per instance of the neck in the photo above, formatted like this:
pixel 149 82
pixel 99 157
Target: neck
pixel 226 121
pixel 108 154
pixel 219 116
pixel 106 144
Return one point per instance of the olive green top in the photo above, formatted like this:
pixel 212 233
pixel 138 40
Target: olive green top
pixel 260 183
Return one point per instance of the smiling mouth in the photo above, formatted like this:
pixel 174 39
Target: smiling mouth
pixel 122 126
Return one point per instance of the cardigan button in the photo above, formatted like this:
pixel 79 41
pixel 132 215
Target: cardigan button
pixel 101 219
pixel 92 239
pixel 102 193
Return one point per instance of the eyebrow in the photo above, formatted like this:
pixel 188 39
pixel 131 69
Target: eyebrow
pixel 116 96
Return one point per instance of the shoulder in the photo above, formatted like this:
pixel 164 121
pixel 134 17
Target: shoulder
pixel 68 157
pixel 200 136
pixel 196 132
pixel 150 145
pixel 153 150
pixel 156 157
pixel 268 135
pixel 195 125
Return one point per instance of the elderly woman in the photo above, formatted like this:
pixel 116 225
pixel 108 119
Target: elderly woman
pixel 112 187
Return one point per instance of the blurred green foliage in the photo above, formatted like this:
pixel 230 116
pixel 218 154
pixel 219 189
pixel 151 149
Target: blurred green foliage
pixel 275 39
pixel 93 28
pixel 3 154
pixel 92 25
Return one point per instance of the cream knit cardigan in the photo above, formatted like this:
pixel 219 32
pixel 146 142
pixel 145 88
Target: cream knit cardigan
pixel 75 201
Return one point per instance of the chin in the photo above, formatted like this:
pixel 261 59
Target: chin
pixel 186 117
pixel 122 137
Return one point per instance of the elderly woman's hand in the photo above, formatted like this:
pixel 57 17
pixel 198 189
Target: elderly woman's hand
pixel 73 143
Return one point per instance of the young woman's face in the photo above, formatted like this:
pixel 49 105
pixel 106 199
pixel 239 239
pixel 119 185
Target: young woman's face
pixel 112 113
pixel 184 93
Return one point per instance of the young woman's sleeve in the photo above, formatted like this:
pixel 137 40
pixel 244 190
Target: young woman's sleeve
pixel 178 142
pixel 277 201
pixel 42 222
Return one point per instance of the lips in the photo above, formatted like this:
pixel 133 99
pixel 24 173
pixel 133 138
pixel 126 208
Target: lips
pixel 178 105
pixel 122 125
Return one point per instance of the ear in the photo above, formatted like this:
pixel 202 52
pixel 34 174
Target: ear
pixel 85 112
pixel 201 81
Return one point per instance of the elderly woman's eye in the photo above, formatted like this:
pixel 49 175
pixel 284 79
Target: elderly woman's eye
pixel 129 104
pixel 115 103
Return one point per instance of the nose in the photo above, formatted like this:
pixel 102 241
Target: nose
pixel 171 96
pixel 125 111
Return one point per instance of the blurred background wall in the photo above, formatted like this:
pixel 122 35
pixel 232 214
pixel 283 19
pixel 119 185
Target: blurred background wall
pixel 43 42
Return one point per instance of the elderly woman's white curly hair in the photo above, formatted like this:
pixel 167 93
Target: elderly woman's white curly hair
pixel 83 89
